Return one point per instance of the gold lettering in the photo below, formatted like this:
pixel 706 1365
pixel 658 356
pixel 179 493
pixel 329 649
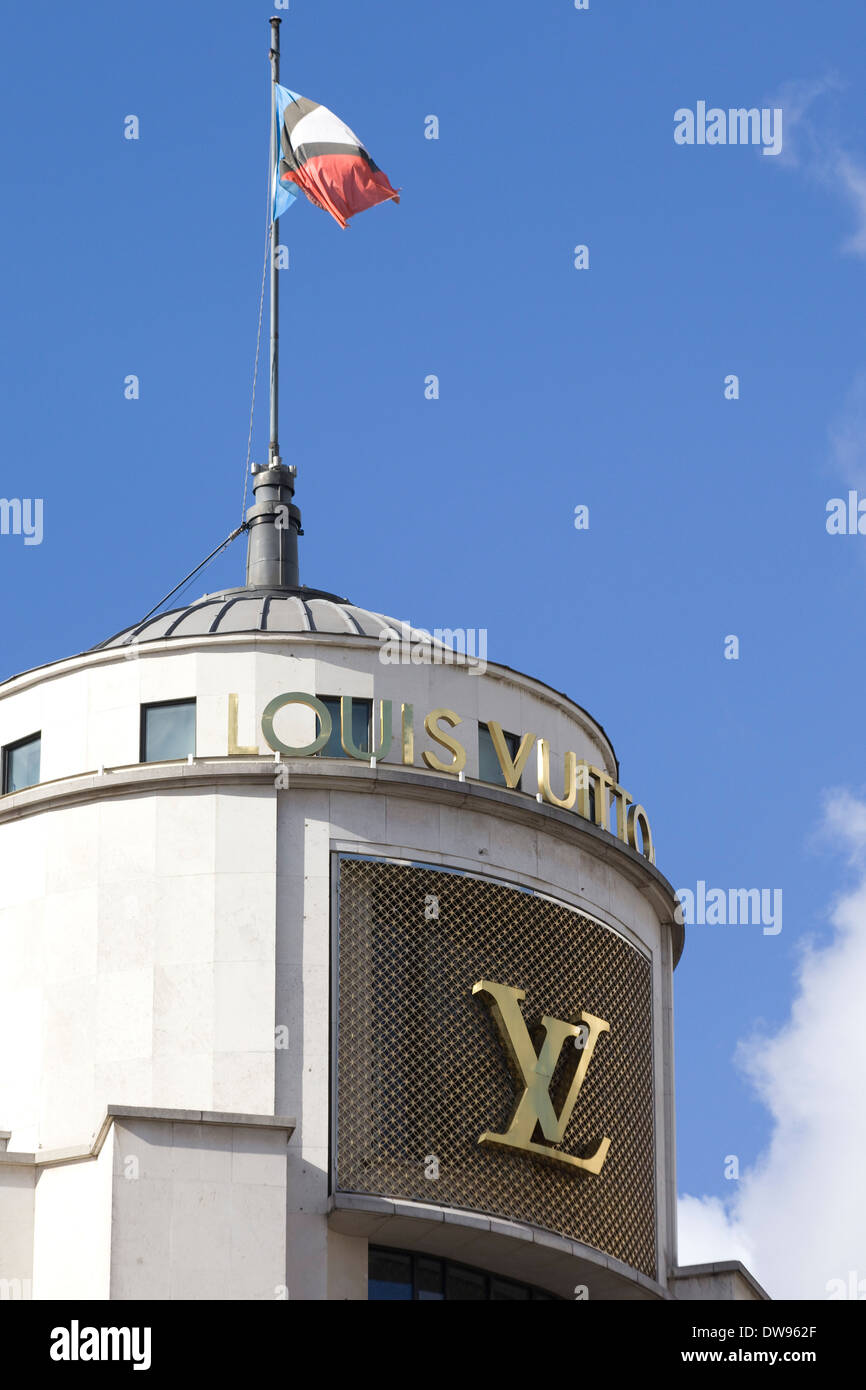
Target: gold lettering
pixel 297 697
pixel 583 806
pixel 235 750
pixel 603 783
pixel 566 802
pixel 534 1072
pixel 622 801
pixel 378 751
pixel 637 815
pixel 408 723
pixel 578 774
pixel 439 736
pixel 511 771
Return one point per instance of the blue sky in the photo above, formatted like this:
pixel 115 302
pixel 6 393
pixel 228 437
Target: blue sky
pixel 558 387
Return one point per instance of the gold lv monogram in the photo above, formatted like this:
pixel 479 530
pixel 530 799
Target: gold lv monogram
pixel 535 1073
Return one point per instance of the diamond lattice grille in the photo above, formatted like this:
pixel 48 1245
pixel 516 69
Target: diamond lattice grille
pixel 421 1070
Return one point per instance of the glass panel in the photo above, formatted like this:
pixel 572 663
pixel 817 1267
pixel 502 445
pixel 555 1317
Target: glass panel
pixel 333 748
pixel 428 1279
pixel 390 1276
pixel 502 1291
pixel 465 1285
pixel 169 731
pixel 488 763
pixel 22 764
pixel 361 713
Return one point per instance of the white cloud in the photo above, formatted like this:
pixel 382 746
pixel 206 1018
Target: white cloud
pixel 798 1218
pixel 850 177
pixel 820 153
pixel 844 820
pixel 708 1233
pixel 800 142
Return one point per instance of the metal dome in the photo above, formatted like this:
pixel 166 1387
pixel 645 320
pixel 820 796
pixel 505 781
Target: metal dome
pixel 272 611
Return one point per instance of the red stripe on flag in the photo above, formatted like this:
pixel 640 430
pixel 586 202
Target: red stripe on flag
pixel 342 184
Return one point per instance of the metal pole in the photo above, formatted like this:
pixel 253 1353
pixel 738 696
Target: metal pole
pixel 274 447
pixel 273 521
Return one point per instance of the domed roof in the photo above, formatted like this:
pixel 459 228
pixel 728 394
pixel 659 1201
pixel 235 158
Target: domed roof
pixel 264 610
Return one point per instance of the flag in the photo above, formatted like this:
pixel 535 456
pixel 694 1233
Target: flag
pixel 321 156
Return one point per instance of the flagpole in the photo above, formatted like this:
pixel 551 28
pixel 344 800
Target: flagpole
pixel 274 447
pixel 273 522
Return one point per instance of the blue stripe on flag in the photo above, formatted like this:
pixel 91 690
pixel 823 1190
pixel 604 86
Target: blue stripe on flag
pixel 284 194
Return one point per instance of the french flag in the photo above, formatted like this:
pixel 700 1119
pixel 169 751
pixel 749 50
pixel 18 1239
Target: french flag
pixel 325 159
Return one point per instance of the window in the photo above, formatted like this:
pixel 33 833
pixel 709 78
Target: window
pixel 167 731
pixel 397 1274
pixel 466 1285
pixel 429 1278
pixel 362 713
pixel 488 763
pixel 389 1276
pixel 21 762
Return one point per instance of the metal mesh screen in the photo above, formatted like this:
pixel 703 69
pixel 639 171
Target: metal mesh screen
pixel 421 1068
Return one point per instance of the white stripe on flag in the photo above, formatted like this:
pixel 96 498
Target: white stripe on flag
pixel 322 127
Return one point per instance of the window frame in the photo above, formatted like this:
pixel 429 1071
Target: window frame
pixel 142 727
pixel 13 748
pixel 512 742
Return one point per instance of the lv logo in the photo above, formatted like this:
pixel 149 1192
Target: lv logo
pixel 534 1071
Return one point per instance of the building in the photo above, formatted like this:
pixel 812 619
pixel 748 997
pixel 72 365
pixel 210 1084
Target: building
pixel 334 962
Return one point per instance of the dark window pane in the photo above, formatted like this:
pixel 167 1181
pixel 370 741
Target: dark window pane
pixel 488 763
pixel 22 764
pixel 465 1285
pixel 390 1276
pixel 502 1291
pixel 428 1279
pixel 168 731
pixel 361 714
pixel 392 1273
